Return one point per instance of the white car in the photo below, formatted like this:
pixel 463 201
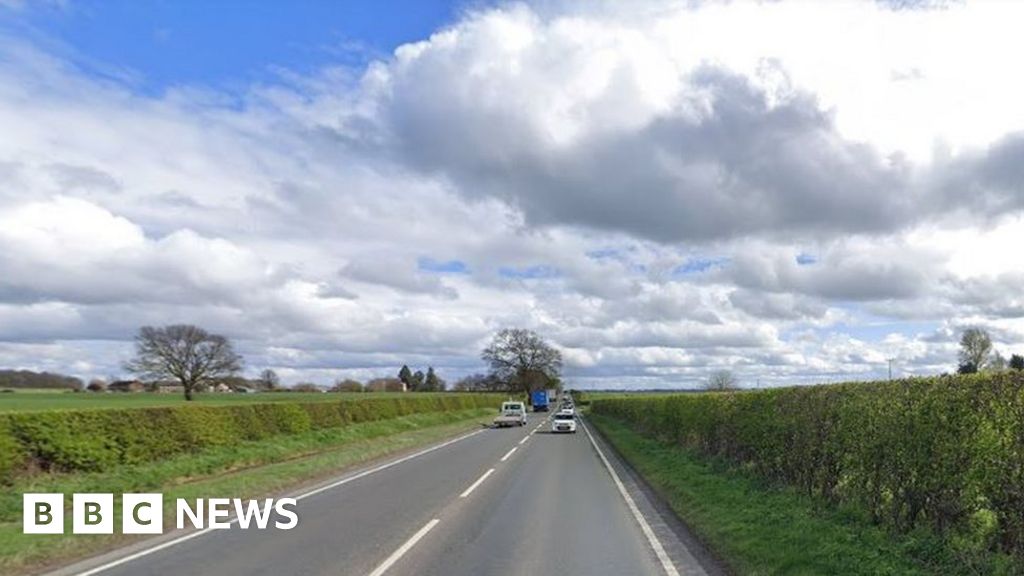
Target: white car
pixel 563 422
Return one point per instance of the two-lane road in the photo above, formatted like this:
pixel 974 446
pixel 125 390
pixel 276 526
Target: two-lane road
pixel 513 501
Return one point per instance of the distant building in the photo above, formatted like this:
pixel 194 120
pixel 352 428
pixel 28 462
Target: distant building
pixel 169 387
pixel 126 386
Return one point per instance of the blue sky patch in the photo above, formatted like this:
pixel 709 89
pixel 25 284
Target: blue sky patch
pixel 227 43
pixel 805 259
pixel 698 265
pixel 427 264
pixel 529 272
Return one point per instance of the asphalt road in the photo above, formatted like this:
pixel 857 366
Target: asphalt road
pixel 517 501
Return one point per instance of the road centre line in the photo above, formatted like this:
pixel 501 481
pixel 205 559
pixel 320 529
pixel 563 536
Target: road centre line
pixel 205 531
pixel 659 551
pixel 477 483
pixel 523 441
pixel 509 453
pixel 397 554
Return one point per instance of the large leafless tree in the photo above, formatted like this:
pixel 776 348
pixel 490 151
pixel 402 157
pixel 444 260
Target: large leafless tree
pixel 975 348
pixel 185 353
pixel 522 359
pixel 722 380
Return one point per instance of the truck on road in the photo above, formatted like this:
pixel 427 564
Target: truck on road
pixel 512 414
pixel 539 399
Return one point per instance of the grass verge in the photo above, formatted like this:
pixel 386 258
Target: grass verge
pixel 758 529
pixel 245 470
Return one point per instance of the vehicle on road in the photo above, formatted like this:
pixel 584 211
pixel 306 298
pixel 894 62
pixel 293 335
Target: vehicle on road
pixel 563 422
pixel 567 409
pixel 512 414
pixel 539 399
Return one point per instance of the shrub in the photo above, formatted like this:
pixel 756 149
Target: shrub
pixel 932 453
pixel 91 440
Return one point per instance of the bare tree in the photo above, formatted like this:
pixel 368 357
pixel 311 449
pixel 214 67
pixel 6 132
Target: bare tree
pixel 975 346
pixel 522 359
pixel 269 380
pixel 722 380
pixel 347 385
pixel 185 353
pixel 479 383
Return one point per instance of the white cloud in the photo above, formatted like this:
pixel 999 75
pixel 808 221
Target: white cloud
pixel 636 182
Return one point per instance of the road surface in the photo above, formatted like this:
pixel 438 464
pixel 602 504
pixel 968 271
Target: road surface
pixel 517 501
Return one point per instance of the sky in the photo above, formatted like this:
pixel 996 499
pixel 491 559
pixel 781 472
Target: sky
pixel 799 192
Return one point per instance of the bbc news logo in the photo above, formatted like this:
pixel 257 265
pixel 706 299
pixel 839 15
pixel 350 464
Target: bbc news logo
pixel 144 513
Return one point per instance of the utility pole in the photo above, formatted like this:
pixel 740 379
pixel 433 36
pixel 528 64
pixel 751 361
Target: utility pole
pixel 890 368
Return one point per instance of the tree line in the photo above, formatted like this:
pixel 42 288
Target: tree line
pixel 40 380
pixel 519 360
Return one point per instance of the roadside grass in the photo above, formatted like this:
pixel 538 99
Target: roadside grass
pixel 245 470
pixel 36 400
pixel 758 529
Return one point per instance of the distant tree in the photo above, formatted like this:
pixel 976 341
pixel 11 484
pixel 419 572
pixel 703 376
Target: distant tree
pixel 480 383
pixel 522 359
pixel 96 385
pixel 268 380
pixel 1017 362
pixel 347 385
pixel 306 387
pixel 967 368
pixel 417 382
pixel 996 362
pixel 433 383
pixel 721 380
pixel 385 385
pixel 185 353
pixel 29 379
pixel 405 375
pixel 975 347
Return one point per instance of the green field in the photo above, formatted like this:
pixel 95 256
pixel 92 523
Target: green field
pixel 35 400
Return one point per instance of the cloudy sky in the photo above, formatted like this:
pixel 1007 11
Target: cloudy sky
pixel 795 191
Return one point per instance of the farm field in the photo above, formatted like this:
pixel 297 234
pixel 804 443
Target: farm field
pixel 37 400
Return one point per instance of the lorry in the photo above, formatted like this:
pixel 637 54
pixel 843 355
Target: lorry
pixel 539 399
pixel 512 413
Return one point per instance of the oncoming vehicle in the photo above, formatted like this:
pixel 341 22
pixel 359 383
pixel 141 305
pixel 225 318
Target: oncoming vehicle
pixel 512 414
pixel 563 422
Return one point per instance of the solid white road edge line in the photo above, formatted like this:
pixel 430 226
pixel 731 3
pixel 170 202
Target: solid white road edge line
pixel 477 483
pixel 509 453
pixel 659 551
pixel 203 532
pixel 397 554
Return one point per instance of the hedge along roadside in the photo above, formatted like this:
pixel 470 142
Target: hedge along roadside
pixel 940 453
pixel 91 440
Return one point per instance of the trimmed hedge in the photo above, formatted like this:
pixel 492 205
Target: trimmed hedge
pixel 940 453
pixel 90 440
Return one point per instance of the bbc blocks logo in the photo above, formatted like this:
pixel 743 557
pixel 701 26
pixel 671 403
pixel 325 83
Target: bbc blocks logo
pixel 144 514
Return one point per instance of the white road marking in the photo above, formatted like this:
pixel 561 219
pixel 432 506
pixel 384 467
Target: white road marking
pixel 205 531
pixel 523 441
pixel 510 452
pixel 386 466
pixel 659 551
pixel 397 554
pixel 477 483
pixel 149 551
